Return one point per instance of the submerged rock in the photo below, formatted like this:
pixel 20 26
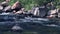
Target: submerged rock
pixel 17 28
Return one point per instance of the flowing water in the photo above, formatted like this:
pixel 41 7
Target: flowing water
pixel 30 25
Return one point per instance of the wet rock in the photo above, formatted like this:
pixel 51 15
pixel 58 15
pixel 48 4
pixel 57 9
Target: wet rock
pixel 40 11
pixel 19 12
pixel 52 13
pixel 22 11
pixel 7 9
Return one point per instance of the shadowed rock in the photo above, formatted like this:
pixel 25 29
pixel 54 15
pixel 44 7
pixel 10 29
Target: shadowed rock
pixel 7 9
pixel 43 11
pixel 22 11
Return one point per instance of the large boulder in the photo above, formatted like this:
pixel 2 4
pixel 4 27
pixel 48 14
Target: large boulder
pixel 17 6
pixel 40 11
